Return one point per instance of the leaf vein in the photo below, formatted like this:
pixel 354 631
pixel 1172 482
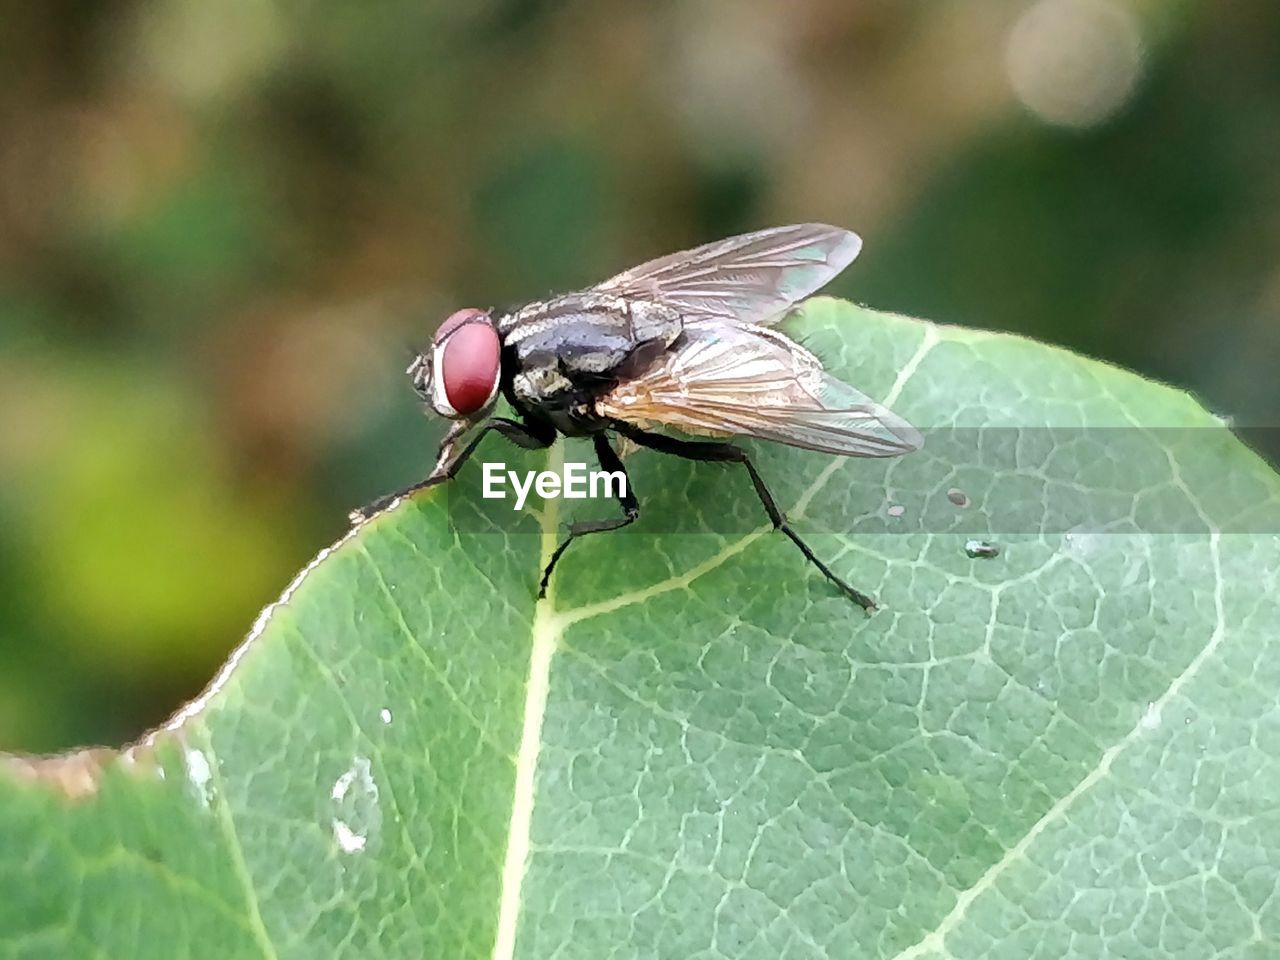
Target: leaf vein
pixel 239 866
pixel 935 940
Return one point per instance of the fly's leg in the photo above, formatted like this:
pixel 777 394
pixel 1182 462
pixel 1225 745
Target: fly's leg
pixel 610 462
pixel 705 450
pixel 531 436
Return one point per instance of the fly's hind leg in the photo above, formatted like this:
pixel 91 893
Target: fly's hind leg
pixel 706 450
pixel 610 462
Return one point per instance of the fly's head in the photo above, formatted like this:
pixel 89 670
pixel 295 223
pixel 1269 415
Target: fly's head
pixel 458 375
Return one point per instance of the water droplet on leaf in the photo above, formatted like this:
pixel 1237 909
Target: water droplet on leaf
pixel 981 550
pixel 1151 717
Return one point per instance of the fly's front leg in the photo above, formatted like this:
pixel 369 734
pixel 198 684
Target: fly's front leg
pixel 705 450
pixel 531 436
pixel 610 462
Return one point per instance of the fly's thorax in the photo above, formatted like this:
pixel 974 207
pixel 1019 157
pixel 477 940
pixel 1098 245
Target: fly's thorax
pixel 580 341
pixel 651 320
pixel 578 317
pixel 539 312
pixel 540 389
pixel 539 380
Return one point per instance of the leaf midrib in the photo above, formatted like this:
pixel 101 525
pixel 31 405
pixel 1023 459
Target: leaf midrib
pixel 548 627
pixel 544 635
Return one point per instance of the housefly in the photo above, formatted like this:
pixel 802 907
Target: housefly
pixel 686 341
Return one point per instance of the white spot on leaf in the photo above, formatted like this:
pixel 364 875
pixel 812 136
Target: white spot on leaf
pixel 199 774
pixel 1151 718
pixel 1082 542
pixel 348 840
pixel 356 814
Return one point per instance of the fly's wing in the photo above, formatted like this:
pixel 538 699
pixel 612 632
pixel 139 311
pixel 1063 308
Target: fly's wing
pixel 749 279
pixel 725 380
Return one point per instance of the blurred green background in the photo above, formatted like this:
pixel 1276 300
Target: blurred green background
pixel 223 225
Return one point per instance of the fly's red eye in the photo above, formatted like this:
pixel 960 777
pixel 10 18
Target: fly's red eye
pixel 468 364
pixel 457 319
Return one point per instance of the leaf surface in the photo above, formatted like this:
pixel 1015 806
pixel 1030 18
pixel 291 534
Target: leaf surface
pixel 696 748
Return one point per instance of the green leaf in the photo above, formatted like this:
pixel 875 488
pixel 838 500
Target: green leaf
pixel 696 748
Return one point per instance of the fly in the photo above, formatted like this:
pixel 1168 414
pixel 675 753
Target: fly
pixel 686 341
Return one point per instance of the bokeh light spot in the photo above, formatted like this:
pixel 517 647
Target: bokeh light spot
pixel 1074 63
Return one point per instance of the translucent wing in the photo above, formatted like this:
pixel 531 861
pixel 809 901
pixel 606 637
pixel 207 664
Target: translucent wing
pixel 752 278
pixel 729 380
